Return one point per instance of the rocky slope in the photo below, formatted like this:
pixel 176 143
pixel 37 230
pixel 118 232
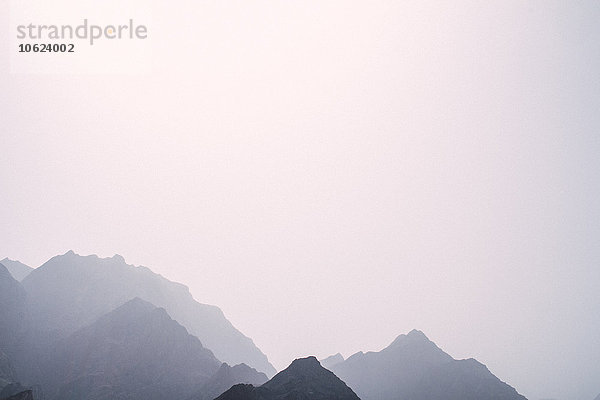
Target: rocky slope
pixel 134 352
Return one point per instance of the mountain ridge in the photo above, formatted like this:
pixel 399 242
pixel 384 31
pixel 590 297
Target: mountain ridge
pixel 17 269
pixel 70 291
pixel 413 367
pixel 332 360
pixel 136 351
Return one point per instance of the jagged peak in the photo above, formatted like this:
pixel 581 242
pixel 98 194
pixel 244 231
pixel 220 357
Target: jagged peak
pixel 417 333
pixel 137 304
pixel 330 361
pixel 244 366
pixel 336 355
pixel 356 355
pixel 414 336
pixel 304 378
pixel 116 257
pixel 306 362
pixel 299 367
pixel 226 369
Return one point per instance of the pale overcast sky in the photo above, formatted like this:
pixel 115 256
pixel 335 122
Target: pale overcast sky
pixel 335 173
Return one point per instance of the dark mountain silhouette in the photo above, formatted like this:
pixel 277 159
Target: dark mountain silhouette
pixel 136 352
pixel 331 360
pixel 304 379
pixel 16 268
pixel 71 291
pixel 226 377
pixel 414 368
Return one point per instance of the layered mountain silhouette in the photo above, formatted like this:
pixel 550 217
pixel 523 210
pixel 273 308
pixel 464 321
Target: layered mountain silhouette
pixel 70 291
pixel 331 360
pixel 98 329
pixel 414 368
pixel 16 268
pixel 226 377
pixel 305 378
pixel 134 352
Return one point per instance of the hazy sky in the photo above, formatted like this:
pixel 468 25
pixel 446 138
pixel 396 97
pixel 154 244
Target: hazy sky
pixel 335 173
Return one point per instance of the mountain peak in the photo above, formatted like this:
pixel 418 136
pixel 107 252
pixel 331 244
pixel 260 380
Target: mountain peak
pixel 17 269
pixel 414 367
pixel 417 333
pixel 139 349
pixel 305 378
pixel 332 360
pixel 413 337
pixel 137 304
pixel 307 362
pixel 119 258
pixel 226 377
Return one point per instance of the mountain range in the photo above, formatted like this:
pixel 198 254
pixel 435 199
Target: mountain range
pixel 414 368
pixel 98 328
pixel 134 352
pixel 72 291
pixel 51 335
